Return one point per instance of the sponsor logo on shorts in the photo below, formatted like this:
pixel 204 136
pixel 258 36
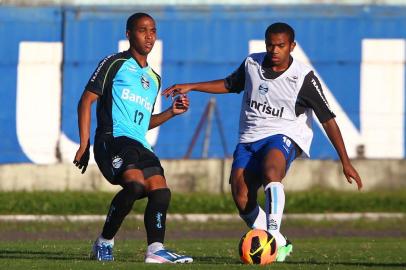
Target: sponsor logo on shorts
pixel 117 162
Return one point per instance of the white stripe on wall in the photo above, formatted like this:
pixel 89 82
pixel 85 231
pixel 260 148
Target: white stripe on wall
pixel 38 106
pixel 382 97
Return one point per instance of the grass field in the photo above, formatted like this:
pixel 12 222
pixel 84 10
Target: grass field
pixel 358 244
pixel 312 201
pixel 315 253
pixel 317 245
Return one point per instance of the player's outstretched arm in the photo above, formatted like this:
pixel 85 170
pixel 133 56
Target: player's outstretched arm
pixel 180 105
pixel 81 159
pixel 334 134
pixel 214 87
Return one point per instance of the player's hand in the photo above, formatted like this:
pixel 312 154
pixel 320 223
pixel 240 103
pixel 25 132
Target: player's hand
pixel 82 157
pixel 351 174
pixel 176 89
pixel 180 104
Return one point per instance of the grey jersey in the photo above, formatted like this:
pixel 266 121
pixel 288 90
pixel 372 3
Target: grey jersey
pixel 281 105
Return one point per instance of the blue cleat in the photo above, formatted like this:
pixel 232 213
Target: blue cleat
pixel 102 252
pixel 166 256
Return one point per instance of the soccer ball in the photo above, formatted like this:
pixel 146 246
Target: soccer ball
pixel 257 247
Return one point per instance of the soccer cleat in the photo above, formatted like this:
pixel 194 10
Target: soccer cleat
pixel 166 256
pixel 102 252
pixel 284 251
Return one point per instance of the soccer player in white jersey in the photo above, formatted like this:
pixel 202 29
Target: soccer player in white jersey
pixel 280 94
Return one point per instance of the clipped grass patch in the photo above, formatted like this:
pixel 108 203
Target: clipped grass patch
pixel 315 201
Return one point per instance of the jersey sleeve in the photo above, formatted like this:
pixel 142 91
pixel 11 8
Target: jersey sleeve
pixel 311 96
pixel 158 79
pixel 235 82
pixel 97 81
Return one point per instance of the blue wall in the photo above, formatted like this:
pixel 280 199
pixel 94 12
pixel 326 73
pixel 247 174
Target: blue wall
pixel 16 25
pixel 198 44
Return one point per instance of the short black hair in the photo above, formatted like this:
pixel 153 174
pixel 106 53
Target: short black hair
pixel 280 27
pixel 133 19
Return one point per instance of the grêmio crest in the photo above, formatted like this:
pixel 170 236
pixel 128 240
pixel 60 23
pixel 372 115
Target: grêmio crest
pixel 144 82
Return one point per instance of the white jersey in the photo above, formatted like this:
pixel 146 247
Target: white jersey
pixel 268 105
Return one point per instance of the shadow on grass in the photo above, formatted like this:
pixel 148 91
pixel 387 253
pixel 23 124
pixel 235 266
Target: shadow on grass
pixel 215 260
pixel 47 255
pixel 365 264
pixel 59 255
pixel 224 260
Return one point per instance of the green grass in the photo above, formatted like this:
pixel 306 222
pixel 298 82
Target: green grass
pixel 384 227
pixel 332 253
pixel 314 201
pixel 40 245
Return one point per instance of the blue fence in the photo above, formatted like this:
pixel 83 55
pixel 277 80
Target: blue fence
pixel 203 44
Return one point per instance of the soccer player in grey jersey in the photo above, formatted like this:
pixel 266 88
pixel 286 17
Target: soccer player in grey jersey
pixel 280 94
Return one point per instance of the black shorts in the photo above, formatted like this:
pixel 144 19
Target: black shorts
pixel 116 155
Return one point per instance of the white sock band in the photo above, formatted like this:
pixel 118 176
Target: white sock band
pixel 154 247
pixel 100 240
pixel 274 206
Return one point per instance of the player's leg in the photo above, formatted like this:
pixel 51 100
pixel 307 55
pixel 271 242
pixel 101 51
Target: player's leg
pixel 159 197
pixel 279 152
pixel 245 183
pixel 132 184
pixel 244 187
pixel 274 172
pixel 117 159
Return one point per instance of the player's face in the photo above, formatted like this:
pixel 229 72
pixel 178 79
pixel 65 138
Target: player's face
pixel 278 48
pixel 143 35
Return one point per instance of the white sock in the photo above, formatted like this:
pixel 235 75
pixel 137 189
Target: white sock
pixel 154 247
pixel 274 205
pixel 100 240
pixel 256 219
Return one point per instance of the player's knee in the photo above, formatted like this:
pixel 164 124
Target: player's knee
pixel 274 174
pixel 134 190
pixel 160 196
